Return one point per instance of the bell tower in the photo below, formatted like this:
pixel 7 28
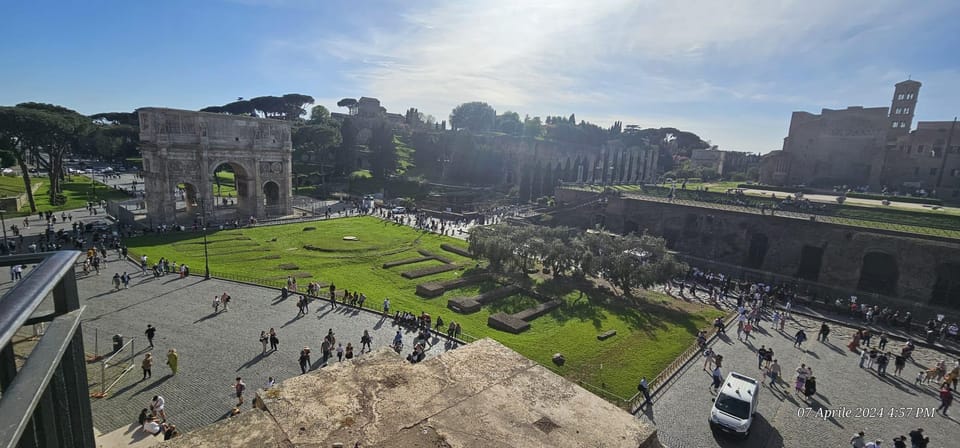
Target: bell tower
pixel 902 108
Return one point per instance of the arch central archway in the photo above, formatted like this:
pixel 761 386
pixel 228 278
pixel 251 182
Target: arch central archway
pixel 879 273
pixel 231 192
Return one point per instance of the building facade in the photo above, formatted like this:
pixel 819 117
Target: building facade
pixel 876 147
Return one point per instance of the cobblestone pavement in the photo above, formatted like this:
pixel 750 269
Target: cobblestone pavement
pixel 213 348
pixel 681 408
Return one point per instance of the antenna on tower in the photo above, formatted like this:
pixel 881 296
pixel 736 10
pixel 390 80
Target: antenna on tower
pixel 909 76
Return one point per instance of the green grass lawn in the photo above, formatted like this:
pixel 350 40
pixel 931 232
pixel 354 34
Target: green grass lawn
pixel 78 189
pixel 13 185
pixel 649 336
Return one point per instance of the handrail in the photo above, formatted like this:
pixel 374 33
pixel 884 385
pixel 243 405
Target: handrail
pixel 25 296
pixel 25 392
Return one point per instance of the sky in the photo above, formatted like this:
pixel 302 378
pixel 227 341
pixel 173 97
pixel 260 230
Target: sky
pixel 731 71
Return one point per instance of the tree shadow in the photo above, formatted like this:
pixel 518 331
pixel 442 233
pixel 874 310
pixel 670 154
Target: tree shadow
pixel 512 304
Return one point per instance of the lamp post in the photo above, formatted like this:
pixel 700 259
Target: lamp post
pixel 6 247
pixel 206 257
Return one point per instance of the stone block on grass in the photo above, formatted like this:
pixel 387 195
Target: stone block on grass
pixel 431 289
pixel 508 323
pixel 464 305
pixel 391 264
pixel 607 335
pixel 537 311
pixel 456 250
pixel 439 258
pixel 417 273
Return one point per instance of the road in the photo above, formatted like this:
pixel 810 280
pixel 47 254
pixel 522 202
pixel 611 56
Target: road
pixel 680 410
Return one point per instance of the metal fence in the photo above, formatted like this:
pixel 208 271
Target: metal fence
pixel 46 402
pixel 665 375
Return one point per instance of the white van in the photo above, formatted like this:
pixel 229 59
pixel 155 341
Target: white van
pixel 735 404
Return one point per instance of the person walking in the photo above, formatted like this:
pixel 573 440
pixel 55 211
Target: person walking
pixel 339 352
pixel 274 340
pixel 799 338
pixel 349 351
pixel 151 332
pixel 773 371
pixel 802 373
pixel 717 377
pixel 708 358
pixel 747 328
pixel 116 281
pixel 883 341
pixel 365 341
pixel 225 299
pixel 173 358
pixel 946 398
pixel 216 304
pixel 644 388
pixel 239 387
pixel 146 365
pixel 264 339
pixel 899 362
pixel 824 331
pixel 386 306
pixel 304 359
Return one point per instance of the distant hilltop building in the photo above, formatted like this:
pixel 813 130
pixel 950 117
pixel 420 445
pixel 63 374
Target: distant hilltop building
pixel 870 147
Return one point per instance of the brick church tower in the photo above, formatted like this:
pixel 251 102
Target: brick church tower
pixel 902 108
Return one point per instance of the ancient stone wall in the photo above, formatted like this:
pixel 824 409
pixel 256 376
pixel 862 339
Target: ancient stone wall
pixel 893 264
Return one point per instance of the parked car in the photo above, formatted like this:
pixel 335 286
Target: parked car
pixel 735 404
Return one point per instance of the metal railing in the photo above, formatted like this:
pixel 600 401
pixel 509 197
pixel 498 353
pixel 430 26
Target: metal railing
pixel 665 375
pixel 45 403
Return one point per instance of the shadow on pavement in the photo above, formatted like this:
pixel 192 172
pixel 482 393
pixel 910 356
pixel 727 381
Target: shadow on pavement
pixel 762 434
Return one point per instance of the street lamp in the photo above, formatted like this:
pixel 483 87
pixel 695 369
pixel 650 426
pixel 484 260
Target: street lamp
pixel 6 247
pixel 206 257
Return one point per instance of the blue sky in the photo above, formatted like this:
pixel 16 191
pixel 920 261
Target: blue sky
pixel 731 71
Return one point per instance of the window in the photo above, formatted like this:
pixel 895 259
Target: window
pixel 906 110
pixel 899 96
pixel 933 171
pixel 898 111
pixel 909 149
pixel 893 124
pixel 936 152
pixel 919 149
pixel 903 124
pixel 909 96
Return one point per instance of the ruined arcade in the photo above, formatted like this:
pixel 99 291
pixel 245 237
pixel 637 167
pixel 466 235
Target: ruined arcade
pixel 182 151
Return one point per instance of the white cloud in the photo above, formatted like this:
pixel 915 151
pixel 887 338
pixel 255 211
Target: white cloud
pixel 626 56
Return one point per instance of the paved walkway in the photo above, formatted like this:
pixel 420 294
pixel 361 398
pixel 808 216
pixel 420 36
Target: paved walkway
pixel 681 408
pixel 213 348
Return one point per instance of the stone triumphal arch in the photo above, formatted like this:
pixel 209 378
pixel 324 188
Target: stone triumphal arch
pixel 185 153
